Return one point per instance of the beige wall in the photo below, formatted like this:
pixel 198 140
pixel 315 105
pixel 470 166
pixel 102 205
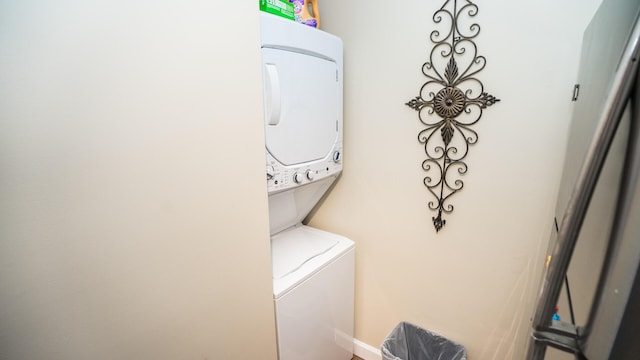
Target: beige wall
pixel 133 216
pixel 476 280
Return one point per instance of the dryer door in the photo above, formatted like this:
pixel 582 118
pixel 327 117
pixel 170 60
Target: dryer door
pixel 301 105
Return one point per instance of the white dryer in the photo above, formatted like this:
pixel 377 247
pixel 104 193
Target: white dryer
pixel 313 270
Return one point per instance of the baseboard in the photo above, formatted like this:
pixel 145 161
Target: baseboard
pixel 366 351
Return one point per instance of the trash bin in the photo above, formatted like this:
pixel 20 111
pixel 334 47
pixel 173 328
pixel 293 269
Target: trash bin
pixel 409 342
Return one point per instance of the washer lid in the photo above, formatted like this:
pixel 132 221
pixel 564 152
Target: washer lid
pixel 291 249
pixel 301 252
pixel 301 105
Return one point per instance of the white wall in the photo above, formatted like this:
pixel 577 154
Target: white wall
pixel 133 213
pixel 475 281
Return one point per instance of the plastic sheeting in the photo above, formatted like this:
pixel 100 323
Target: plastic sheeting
pixel 409 342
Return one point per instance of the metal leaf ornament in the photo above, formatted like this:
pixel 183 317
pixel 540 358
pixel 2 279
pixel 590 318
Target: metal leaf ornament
pixel 451 101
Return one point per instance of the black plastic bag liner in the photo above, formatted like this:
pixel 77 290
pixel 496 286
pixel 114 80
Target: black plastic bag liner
pixel 409 342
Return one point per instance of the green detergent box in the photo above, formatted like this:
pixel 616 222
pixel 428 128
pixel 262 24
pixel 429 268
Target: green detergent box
pixel 278 7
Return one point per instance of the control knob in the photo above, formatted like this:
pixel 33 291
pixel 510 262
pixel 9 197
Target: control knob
pixel 297 178
pixel 309 174
pixel 337 156
pixel 271 172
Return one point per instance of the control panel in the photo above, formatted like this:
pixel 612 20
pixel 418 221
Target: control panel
pixel 281 177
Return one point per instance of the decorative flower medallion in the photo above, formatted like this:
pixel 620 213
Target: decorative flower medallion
pixel 451 101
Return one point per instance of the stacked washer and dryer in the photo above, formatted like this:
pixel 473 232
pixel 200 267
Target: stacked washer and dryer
pixel 313 270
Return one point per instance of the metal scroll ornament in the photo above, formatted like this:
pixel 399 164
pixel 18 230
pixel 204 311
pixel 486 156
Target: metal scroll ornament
pixel 450 103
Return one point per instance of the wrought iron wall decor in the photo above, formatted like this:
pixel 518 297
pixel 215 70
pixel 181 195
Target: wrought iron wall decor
pixel 450 103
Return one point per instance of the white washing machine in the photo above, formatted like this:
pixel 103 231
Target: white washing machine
pixel 313 270
pixel 313 291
